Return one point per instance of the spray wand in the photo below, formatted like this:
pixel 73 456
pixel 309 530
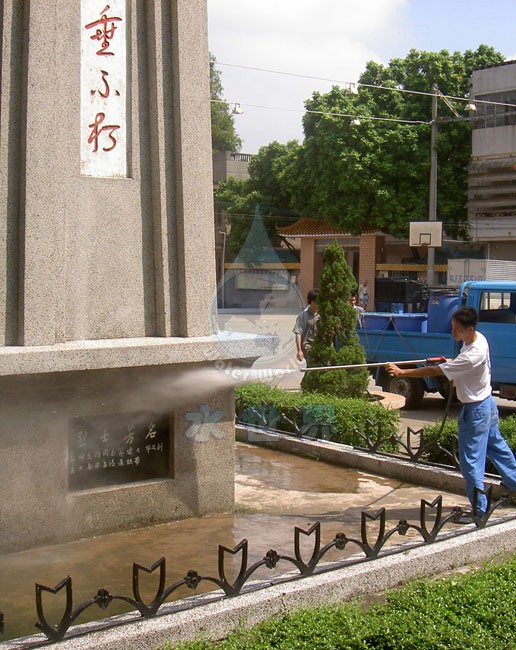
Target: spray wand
pixel 350 366
pixel 430 360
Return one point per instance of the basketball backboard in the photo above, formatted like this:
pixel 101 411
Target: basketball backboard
pixel 426 233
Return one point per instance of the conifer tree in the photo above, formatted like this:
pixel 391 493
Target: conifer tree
pixel 336 341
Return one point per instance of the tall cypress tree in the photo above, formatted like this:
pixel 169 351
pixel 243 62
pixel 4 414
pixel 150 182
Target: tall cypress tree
pixel 336 342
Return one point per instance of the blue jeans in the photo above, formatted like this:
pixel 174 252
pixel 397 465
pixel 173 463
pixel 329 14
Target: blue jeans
pixel 480 437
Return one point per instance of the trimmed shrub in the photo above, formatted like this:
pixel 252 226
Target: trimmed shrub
pixel 319 415
pixel 336 342
pixel 447 440
pixel 448 437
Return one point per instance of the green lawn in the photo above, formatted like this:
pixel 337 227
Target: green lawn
pixel 468 611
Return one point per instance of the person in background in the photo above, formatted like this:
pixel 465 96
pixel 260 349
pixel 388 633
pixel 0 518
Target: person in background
pixel 479 433
pixel 360 310
pixel 363 295
pixel 306 325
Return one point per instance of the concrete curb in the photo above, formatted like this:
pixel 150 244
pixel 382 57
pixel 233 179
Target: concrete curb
pixel 216 620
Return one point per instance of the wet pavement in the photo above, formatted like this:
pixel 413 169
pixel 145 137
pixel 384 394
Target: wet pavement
pixel 274 493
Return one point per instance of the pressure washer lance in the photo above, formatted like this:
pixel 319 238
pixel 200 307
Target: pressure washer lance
pixel 430 360
pixel 349 366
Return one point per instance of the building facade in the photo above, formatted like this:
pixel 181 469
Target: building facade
pixel 492 171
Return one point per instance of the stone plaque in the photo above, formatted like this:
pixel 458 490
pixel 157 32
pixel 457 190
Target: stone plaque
pixel 114 449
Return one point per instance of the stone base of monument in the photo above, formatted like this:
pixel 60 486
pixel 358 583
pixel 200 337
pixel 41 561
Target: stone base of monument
pixel 104 436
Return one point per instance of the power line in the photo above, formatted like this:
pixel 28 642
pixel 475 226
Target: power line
pixel 317 216
pixel 352 84
pixel 328 113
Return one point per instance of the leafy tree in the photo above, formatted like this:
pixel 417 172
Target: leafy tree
pixel 336 341
pixel 268 186
pixel 223 133
pixel 376 175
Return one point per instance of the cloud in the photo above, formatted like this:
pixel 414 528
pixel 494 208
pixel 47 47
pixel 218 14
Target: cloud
pixel 323 38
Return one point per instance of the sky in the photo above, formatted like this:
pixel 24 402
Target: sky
pixel 333 40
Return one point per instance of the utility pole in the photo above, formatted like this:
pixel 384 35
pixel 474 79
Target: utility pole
pixel 432 204
pixel 222 269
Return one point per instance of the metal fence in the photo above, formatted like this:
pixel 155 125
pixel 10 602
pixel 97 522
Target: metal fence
pixel 370 544
pixel 316 421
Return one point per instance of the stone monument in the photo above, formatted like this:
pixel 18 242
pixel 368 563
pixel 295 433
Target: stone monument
pixel 107 271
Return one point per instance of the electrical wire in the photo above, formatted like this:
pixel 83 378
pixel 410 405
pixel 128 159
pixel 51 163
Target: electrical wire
pixel 352 84
pixel 249 215
pixel 326 113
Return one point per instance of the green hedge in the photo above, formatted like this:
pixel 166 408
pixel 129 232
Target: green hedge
pixel 338 415
pixel 450 432
pixel 473 611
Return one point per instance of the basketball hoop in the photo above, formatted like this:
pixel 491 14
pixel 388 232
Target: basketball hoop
pixel 426 233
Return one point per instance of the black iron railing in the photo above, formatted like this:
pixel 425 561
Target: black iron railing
pixel 370 544
pixel 301 423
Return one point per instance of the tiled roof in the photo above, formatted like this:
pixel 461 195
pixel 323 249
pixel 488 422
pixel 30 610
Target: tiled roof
pixel 306 227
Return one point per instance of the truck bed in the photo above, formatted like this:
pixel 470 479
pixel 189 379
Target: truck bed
pixel 402 337
pixel 391 345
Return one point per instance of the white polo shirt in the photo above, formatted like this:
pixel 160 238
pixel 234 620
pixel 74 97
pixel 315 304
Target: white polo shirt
pixel 471 371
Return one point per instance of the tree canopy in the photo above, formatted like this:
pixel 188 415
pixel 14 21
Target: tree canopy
pixel 223 133
pixel 268 191
pixel 375 175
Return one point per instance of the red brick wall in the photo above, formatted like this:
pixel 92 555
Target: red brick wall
pixel 371 250
pixel 307 270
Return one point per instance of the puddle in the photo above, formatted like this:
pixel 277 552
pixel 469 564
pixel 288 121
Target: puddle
pixel 274 493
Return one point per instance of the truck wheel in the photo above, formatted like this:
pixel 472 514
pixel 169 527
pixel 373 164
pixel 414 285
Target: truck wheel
pixel 411 389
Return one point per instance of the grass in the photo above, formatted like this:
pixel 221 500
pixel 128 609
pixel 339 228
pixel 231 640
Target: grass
pixel 468 611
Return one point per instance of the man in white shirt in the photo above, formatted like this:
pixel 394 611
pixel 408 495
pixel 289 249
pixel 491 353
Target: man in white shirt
pixel 360 311
pixel 479 434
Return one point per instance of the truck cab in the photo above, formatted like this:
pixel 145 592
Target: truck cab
pixel 495 303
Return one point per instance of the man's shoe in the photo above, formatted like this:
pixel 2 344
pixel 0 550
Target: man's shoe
pixel 466 517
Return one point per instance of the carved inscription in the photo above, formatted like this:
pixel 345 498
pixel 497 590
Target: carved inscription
pixel 112 449
pixel 104 90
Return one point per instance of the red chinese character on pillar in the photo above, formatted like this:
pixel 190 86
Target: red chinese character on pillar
pixel 105 93
pixel 97 130
pixel 105 31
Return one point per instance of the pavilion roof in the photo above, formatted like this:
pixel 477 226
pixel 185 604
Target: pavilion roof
pixel 306 227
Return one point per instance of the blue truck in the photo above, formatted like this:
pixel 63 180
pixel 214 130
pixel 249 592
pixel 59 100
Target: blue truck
pixel 403 337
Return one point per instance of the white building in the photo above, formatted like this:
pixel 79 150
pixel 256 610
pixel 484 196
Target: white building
pixel 492 171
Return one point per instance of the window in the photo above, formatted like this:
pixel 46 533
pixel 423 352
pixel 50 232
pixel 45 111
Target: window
pixel 490 115
pixel 497 307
